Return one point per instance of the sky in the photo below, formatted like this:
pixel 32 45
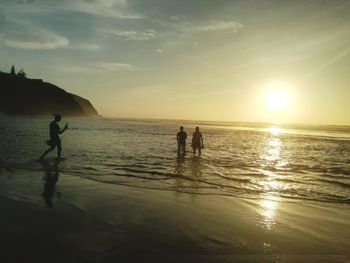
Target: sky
pixel 188 59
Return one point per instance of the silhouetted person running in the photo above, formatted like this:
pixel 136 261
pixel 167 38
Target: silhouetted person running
pixel 197 142
pixel 181 142
pixel 54 137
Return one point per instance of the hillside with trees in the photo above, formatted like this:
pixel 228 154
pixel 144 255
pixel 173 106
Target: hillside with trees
pixel 20 95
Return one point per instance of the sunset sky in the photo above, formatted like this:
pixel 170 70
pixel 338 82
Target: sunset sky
pixel 264 60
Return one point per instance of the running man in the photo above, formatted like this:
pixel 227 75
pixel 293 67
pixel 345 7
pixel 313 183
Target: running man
pixel 197 142
pixel 181 142
pixel 54 137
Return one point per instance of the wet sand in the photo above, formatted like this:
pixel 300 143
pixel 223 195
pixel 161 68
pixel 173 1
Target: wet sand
pixel 99 222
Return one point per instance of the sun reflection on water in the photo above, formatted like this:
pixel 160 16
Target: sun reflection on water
pixel 274 130
pixel 273 150
pixel 271 157
pixel 268 209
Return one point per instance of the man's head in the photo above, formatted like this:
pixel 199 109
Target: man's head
pixel 197 128
pixel 181 128
pixel 58 117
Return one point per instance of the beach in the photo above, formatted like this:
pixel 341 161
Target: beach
pixel 109 201
pixel 93 222
pixel 167 131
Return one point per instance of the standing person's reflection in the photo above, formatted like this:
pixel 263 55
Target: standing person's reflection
pixel 196 168
pixel 50 180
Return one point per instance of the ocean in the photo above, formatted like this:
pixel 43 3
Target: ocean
pixel 252 161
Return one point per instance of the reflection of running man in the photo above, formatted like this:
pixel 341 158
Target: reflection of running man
pixel 54 137
pixel 50 181
pixel 197 141
pixel 181 142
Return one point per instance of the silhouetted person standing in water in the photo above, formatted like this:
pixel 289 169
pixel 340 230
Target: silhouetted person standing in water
pixel 181 142
pixel 54 137
pixel 197 142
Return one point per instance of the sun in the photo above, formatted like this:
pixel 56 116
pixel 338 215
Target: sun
pixel 276 99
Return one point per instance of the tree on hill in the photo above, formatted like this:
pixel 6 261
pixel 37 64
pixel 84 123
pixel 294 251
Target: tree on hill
pixel 22 74
pixel 13 71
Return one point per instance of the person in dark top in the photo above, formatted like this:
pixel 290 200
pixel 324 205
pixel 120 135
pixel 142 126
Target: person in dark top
pixel 54 137
pixel 181 142
pixel 197 142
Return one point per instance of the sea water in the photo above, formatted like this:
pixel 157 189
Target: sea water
pixel 294 163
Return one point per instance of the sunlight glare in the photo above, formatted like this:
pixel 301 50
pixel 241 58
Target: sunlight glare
pixel 274 130
pixel 277 96
pixel 277 100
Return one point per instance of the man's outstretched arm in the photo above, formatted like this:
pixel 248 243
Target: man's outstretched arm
pixel 65 128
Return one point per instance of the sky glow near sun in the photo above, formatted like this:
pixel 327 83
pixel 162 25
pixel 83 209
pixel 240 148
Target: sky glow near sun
pixel 188 59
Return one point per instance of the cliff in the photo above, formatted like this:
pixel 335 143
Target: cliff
pixel 22 96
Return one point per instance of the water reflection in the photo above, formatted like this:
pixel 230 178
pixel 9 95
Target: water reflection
pixel 268 209
pixel 188 175
pixel 50 181
pixel 180 173
pixel 196 167
pixel 271 157
pixel 272 151
pixel 274 130
pixel 1 166
pixel 180 167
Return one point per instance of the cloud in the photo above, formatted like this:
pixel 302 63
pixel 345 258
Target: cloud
pixel 133 35
pixel 114 66
pixel 217 25
pixel 25 35
pixel 108 8
pixel 25 2
pixel 184 24
pixel 99 68
pixel 86 46
pixel 34 41
pixel 180 29
pixel 2 19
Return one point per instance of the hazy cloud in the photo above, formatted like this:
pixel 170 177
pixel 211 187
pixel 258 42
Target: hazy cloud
pixel 179 29
pixel 25 35
pixel 217 25
pixel 34 41
pixel 134 35
pixel 86 46
pixel 107 8
pixel 99 68
pixel 184 24
pixel 24 2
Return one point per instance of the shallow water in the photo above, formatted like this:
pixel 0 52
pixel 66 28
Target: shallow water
pixel 246 161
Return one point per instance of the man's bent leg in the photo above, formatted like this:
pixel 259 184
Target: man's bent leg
pixel 46 152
